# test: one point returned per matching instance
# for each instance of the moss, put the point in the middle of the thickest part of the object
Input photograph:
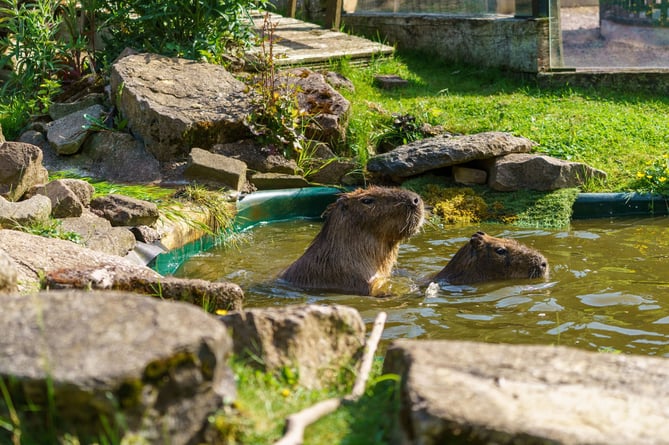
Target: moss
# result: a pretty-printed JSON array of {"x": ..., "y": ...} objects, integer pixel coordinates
[{"x": 466, "y": 205}]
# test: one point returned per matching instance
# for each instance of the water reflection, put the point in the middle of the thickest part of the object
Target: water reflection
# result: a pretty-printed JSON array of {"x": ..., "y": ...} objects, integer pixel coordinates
[{"x": 608, "y": 288}]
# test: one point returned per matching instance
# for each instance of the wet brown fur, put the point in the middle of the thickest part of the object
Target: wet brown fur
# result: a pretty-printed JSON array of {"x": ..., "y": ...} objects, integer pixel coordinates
[
  {"x": 358, "y": 244},
  {"x": 486, "y": 258}
]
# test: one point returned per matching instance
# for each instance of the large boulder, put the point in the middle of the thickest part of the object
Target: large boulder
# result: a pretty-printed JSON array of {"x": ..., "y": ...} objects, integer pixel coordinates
[
  {"x": 36, "y": 210},
  {"x": 67, "y": 134},
  {"x": 121, "y": 210},
  {"x": 69, "y": 197},
  {"x": 175, "y": 104},
  {"x": 36, "y": 255},
  {"x": 444, "y": 151},
  {"x": 327, "y": 110},
  {"x": 538, "y": 172},
  {"x": 317, "y": 340},
  {"x": 211, "y": 168},
  {"x": 110, "y": 362},
  {"x": 8, "y": 273},
  {"x": 20, "y": 169},
  {"x": 98, "y": 234},
  {"x": 464, "y": 392}
]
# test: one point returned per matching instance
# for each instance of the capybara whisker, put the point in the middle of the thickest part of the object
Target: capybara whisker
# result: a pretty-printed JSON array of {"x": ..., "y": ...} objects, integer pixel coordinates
[{"x": 357, "y": 247}]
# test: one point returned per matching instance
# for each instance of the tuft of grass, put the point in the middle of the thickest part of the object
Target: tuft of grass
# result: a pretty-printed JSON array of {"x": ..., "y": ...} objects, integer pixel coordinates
[{"x": 266, "y": 399}]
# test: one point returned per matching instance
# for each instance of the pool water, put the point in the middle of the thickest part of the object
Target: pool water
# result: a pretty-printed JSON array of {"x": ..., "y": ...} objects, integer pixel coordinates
[{"x": 608, "y": 288}]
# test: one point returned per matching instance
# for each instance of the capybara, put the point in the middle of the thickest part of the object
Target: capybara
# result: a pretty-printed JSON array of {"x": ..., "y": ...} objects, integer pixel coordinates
[
  {"x": 357, "y": 247},
  {"x": 486, "y": 258}
]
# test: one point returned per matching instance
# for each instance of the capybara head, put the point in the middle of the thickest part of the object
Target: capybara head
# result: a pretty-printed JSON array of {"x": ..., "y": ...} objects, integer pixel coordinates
[
  {"x": 357, "y": 246},
  {"x": 486, "y": 258}
]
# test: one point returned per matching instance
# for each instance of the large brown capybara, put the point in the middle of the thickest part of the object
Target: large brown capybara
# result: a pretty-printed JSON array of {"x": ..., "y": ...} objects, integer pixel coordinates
[
  {"x": 486, "y": 258},
  {"x": 357, "y": 247}
]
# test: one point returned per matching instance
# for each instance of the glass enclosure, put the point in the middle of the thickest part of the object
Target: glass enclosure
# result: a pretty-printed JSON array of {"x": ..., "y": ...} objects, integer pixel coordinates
[{"x": 609, "y": 34}]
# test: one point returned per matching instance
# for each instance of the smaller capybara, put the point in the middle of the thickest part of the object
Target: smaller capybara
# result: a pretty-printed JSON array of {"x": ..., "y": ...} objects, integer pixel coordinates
[
  {"x": 357, "y": 247},
  {"x": 486, "y": 258}
]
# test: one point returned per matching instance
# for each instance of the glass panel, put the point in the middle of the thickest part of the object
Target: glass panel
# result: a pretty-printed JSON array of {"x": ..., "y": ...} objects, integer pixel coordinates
[{"x": 614, "y": 34}]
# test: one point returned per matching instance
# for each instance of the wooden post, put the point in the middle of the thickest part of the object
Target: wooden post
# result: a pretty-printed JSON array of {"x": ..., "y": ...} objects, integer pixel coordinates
[
  {"x": 333, "y": 14},
  {"x": 292, "y": 8}
]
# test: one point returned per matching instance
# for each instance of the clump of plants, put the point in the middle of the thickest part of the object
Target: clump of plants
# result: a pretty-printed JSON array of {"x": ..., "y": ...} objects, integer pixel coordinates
[{"x": 654, "y": 178}]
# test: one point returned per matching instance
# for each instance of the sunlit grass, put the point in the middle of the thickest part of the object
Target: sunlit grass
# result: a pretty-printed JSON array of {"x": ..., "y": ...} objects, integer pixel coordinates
[{"x": 613, "y": 131}]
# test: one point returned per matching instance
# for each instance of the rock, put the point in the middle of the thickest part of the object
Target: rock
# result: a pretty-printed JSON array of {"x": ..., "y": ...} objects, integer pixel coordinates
[
  {"x": 539, "y": 172},
  {"x": 35, "y": 256},
  {"x": 214, "y": 168},
  {"x": 69, "y": 197},
  {"x": 35, "y": 210},
  {"x": 20, "y": 169},
  {"x": 118, "y": 156},
  {"x": 146, "y": 234},
  {"x": 108, "y": 361},
  {"x": 332, "y": 171},
  {"x": 204, "y": 294},
  {"x": 317, "y": 340},
  {"x": 67, "y": 134},
  {"x": 468, "y": 176},
  {"x": 174, "y": 104},
  {"x": 463, "y": 392},
  {"x": 122, "y": 210},
  {"x": 8, "y": 274},
  {"x": 338, "y": 81},
  {"x": 390, "y": 81},
  {"x": 2, "y": 136},
  {"x": 98, "y": 234},
  {"x": 327, "y": 110},
  {"x": 444, "y": 151},
  {"x": 257, "y": 157},
  {"x": 273, "y": 181},
  {"x": 59, "y": 110}
]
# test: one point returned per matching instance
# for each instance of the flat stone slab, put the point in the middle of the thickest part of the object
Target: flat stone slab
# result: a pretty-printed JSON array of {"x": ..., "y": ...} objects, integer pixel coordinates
[
  {"x": 300, "y": 43},
  {"x": 481, "y": 393}
]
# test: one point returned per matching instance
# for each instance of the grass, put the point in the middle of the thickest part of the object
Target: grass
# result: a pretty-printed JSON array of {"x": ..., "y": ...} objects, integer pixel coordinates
[{"x": 617, "y": 132}]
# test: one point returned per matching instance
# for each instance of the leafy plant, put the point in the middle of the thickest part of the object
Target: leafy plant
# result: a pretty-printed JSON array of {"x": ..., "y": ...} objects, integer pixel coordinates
[
  {"x": 184, "y": 28},
  {"x": 277, "y": 119},
  {"x": 654, "y": 178},
  {"x": 51, "y": 229}
]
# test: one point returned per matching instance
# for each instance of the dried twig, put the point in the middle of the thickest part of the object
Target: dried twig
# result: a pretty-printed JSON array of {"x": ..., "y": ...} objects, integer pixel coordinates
[{"x": 298, "y": 422}]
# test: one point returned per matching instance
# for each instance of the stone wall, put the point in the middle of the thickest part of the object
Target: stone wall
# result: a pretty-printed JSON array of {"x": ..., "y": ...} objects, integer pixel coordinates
[{"x": 517, "y": 44}]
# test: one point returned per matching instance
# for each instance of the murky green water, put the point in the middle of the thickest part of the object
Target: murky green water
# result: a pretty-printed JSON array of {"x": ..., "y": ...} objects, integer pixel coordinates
[{"x": 609, "y": 285}]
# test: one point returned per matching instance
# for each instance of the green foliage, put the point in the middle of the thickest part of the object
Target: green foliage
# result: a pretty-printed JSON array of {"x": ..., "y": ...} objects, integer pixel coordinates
[
  {"x": 654, "y": 178},
  {"x": 184, "y": 28},
  {"x": 51, "y": 229},
  {"x": 612, "y": 130},
  {"x": 266, "y": 399},
  {"x": 221, "y": 212},
  {"x": 276, "y": 120}
]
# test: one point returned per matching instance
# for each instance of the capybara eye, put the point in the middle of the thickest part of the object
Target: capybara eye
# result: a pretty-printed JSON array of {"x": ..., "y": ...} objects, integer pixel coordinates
[
  {"x": 500, "y": 251},
  {"x": 367, "y": 201}
]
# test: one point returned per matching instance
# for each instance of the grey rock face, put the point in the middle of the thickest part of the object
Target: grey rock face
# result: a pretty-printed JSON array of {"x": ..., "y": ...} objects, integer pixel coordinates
[
  {"x": 20, "y": 169},
  {"x": 174, "y": 104},
  {"x": 160, "y": 365},
  {"x": 8, "y": 274},
  {"x": 98, "y": 234},
  {"x": 69, "y": 197},
  {"x": 318, "y": 340},
  {"x": 122, "y": 210},
  {"x": 444, "y": 151},
  {"x": 538, "y": 172},
  {"x": 464, "y": 392},
  {"x": 24, "y": 213},
  {"x": 35, "y": 256},
  {"x": 117, "y": 156},
  {"x": 67, "y": 134},
  {"x": 58, "y": 110},
  {"x": 256, "y": 157},
  {"x": 214, "y": 168}
]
